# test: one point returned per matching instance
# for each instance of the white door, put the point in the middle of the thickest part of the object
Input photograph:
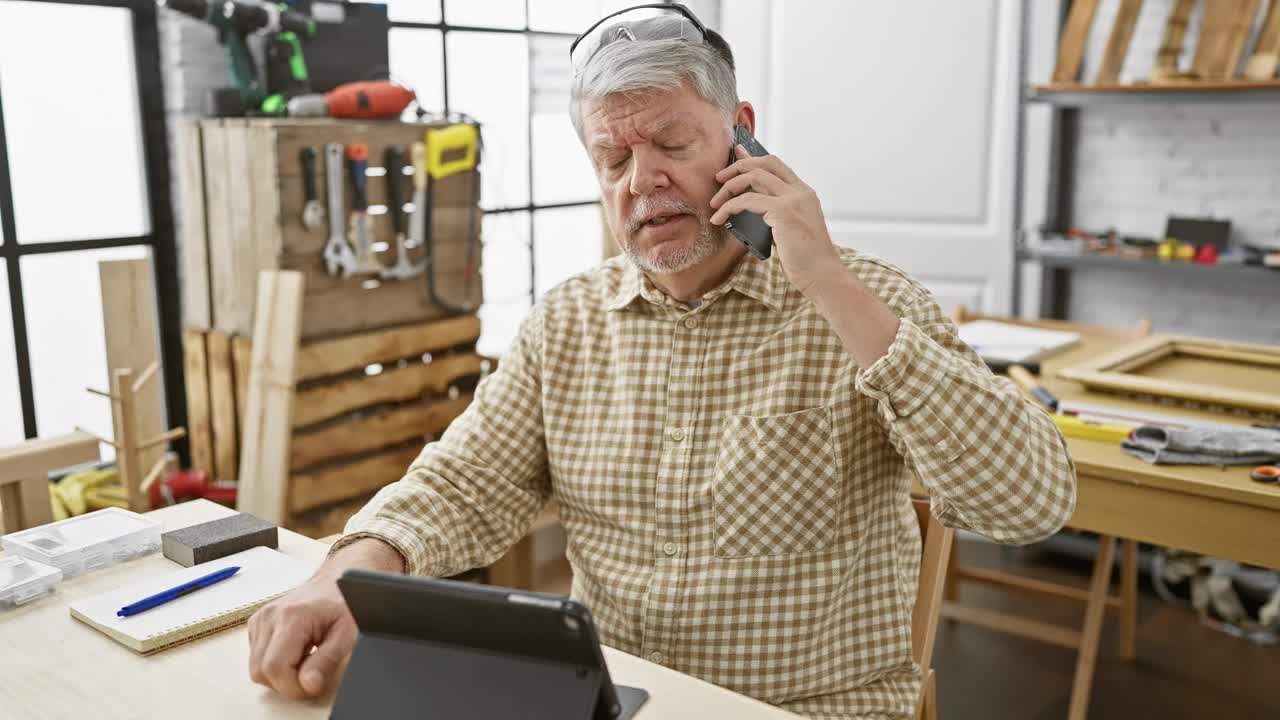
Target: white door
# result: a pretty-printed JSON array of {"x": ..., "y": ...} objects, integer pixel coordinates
[{"x": 901, "y": 116}]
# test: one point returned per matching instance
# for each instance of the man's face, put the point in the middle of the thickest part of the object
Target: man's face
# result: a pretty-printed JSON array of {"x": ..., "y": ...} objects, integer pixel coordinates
[{"x": 656, "y": 157}]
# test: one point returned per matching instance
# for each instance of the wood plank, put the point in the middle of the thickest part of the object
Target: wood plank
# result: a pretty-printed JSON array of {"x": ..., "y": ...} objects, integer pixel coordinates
[
  {"x": 199, "y": 415},
  {"x": 1175, "y": 30},
  {"x": 243, "y": 236},
  {"x": 317, "y": 488},
  {"x": 1266, "y": 52},
  {"x": 222, "y": 404},
  {"x": 349, "y": 310},
  {"x": 264, "y": 463},
  {"x": 241, "y": 359},
  {"x": 315, "y": 404},
  {"x": 1118, "y": 41},
  {"x": 128, "y": 458},
  {"x": 1074, "y": 36},
  {"x": 1221, "y": 24},
  {"x": 397, "y": 425},
  {"x": 1022, "y": 627},
  {"x": 132, "y": 333},
  {"x": 1129, "y": 595},
  {"x": 331, "y": 357},
  {"x": 196, "y": 301},
  {"x": 1238, "y": 29},
  {"x": 219, "y": 212},
  {"x": 329, "y": 521}
]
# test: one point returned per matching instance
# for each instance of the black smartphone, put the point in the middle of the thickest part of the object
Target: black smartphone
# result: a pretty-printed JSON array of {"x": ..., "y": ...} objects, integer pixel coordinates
[{"x": 750, "y": 227}]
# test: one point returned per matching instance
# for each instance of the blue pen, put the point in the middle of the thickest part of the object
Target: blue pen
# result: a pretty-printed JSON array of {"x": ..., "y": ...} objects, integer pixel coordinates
[{"x": 161, "y": 598}]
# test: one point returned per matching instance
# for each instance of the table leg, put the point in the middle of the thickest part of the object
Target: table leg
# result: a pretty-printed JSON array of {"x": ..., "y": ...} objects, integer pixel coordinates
[
  {"x": 1129, "y": 599},
  {"x": 1094, "y": 615}
]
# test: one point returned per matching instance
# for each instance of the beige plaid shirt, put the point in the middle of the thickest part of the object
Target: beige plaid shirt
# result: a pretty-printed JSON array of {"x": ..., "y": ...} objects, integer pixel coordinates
[{"x": 733, "y": 487}]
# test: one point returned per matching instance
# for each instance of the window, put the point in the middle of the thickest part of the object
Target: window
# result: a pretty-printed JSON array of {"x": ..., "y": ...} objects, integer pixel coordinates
[
  {"x": 508, "y": 67},
  {"x": 79, "y": 183}
]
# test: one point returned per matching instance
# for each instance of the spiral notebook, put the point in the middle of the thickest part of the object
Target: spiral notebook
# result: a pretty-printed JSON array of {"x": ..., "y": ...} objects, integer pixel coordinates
[{"x": 264, "y": 575}]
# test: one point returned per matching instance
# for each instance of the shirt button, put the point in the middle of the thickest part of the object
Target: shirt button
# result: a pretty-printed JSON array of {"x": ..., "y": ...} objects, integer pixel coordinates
[
  {"x": 676, "y": 434},
  {"x": 670, "y": 548},
  {"x": 657, "y": 657},
  {"x": 691, "y": 323}
]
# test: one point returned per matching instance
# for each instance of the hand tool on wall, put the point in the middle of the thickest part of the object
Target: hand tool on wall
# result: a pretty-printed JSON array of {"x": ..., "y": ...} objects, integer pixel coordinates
[
  {"x": 358, "y": 164},
  {"x": 360, "y": 100},
  {"x": 235, "y": 21},
  {"x": 312, "y": 213},
  {"x": 462, "y": 143},
  {"x": 338, "y": 258},
  {"x": 394, "y": 164}
]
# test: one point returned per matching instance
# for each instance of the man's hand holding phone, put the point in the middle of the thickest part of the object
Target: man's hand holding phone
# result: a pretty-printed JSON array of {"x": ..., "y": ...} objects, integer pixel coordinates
[{"x": 765, "y": 185}]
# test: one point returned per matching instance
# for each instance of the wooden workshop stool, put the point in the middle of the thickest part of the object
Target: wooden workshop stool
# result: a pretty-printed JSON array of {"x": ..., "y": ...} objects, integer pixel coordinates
[
  {"x": 1097, "y": 599},
  {"x": 24, "y": 476}
]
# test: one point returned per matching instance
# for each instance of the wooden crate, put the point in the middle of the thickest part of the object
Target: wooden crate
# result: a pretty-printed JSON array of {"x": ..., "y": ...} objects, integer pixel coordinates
[
  {"x": 242, "y": 198},
  {"x": 364, "y": 406}
]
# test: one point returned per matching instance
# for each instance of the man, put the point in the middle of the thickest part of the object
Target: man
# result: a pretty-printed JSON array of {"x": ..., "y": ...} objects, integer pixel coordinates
[{"x": 731, "y": 441}]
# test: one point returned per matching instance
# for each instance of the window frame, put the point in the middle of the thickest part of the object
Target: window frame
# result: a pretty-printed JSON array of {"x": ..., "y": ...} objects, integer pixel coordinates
[
  {"x": 160, "y": 240},
  {"x": 531, "y": 207}
]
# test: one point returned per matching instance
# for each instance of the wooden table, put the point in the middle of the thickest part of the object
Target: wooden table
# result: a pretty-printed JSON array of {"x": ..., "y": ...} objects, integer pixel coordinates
[
  {"x": 1202, "y": 509},
  {"x": 1199, "y": 508},
  {"x": 52, "y": 666}
]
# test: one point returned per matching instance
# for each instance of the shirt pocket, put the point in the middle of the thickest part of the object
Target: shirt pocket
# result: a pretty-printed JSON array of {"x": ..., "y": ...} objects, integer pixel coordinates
[{"x": 776, "y": 489}]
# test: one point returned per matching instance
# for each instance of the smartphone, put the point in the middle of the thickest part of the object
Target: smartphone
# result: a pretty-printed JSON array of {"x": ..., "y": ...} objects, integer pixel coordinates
[{"x": 750, "y": 227}]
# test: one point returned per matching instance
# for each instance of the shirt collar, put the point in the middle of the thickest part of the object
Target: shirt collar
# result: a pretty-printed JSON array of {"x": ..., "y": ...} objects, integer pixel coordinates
[{"x": 761, "y": 280}]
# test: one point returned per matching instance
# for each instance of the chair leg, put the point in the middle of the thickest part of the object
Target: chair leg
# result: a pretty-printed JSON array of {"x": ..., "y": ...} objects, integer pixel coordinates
[
  {"x": 1129, "y": 599},
  {"x": 1094, "y": 615},
  {"x": 951, "y": 584}
]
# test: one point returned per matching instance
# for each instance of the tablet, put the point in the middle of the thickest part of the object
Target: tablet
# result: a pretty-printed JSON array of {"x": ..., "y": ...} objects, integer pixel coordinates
[{"x": 447, "y": 649}]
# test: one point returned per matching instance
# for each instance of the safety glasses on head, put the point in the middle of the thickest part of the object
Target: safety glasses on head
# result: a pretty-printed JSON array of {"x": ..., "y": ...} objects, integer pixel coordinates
[{"x": 657, "y": 21}]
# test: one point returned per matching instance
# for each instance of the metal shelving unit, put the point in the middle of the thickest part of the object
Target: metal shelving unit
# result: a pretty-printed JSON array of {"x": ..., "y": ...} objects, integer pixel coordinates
[{"x": 1066, "y": 101}]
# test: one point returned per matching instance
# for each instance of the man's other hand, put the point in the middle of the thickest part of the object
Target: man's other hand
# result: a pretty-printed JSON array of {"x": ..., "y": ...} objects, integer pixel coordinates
[{"x": 299, "y": 644}]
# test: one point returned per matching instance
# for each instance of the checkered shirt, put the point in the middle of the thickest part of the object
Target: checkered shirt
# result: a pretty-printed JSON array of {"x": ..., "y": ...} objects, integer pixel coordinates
[{"x": 734, "y": 488}]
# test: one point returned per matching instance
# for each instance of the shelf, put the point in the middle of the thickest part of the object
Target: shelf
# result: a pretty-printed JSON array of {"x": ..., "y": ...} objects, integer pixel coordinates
[
  {"x": 1222, "y": 91},
  {"x": 1221, "y": 271}
]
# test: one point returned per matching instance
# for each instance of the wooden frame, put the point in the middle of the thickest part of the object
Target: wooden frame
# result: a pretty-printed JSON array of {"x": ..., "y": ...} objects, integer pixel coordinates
[{"x": 1114, "y": 371}]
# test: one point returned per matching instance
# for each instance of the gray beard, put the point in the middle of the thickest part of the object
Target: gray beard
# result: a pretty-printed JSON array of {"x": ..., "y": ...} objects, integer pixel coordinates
[{"x": 710, "y": 241}]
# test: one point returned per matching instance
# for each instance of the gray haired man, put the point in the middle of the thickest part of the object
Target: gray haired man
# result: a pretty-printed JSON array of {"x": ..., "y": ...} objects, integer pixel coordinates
[{"x": 731, "y": 441}]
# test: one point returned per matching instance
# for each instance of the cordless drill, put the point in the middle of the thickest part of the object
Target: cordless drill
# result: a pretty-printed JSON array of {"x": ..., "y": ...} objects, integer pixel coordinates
[{"x": 235, "y": 20}]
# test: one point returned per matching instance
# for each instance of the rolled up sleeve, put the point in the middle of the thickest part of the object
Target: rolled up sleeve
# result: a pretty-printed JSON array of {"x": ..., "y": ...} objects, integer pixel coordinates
[{"x": 992, "y": 461}]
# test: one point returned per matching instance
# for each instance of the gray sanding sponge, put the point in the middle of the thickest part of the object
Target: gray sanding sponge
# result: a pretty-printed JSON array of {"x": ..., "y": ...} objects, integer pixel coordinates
[{"x": 211, "y": 540}]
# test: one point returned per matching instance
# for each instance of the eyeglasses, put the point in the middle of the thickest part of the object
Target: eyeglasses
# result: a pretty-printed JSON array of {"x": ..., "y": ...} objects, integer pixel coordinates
[{"x": 658, "y": 21}]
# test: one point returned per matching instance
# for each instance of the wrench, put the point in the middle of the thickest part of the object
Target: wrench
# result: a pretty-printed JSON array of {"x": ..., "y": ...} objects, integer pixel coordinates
[
  {"x": 312, "y": 213},
  {"x": 338, "y": 258},
  {"x": 358, "y": 159},
  {"x": 394, "y": 159}
]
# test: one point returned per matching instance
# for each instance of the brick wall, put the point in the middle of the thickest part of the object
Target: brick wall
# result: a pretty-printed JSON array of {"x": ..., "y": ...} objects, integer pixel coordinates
[{"x": 1137, "y": 164}]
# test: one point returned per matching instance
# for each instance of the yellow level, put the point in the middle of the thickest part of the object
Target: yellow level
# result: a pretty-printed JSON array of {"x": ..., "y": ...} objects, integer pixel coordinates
[{"x": 1089, "y": 430}]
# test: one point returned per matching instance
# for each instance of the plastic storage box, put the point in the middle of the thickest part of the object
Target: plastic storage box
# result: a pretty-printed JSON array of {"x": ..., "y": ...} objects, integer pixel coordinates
[
  {"x": 23, "y": 580},
  {"x": 87, "y": 542}
]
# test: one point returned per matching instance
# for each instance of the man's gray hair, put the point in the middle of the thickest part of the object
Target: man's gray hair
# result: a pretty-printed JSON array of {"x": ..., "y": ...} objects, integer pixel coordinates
[{"x": 658, "y": 65}]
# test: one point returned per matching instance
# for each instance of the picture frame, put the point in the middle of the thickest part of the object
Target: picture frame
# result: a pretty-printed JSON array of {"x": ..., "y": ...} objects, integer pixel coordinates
[{"x": 1244, "y": 376}]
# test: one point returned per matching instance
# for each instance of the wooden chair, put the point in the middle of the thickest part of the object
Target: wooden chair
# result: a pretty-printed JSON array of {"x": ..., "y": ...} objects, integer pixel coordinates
[
  {"x": 937, "y": 542},
  {"x": 1097, "y": 599}
]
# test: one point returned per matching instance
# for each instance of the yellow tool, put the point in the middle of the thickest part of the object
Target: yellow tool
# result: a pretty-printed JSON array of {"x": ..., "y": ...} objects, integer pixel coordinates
[
  {"x": 463, "y": 141},
  {"x": 1089, "y": 430}
]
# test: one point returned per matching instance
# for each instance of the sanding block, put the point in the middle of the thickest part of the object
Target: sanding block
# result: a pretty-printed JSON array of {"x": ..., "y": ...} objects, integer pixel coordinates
[{"x": 211, "y": 540}]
